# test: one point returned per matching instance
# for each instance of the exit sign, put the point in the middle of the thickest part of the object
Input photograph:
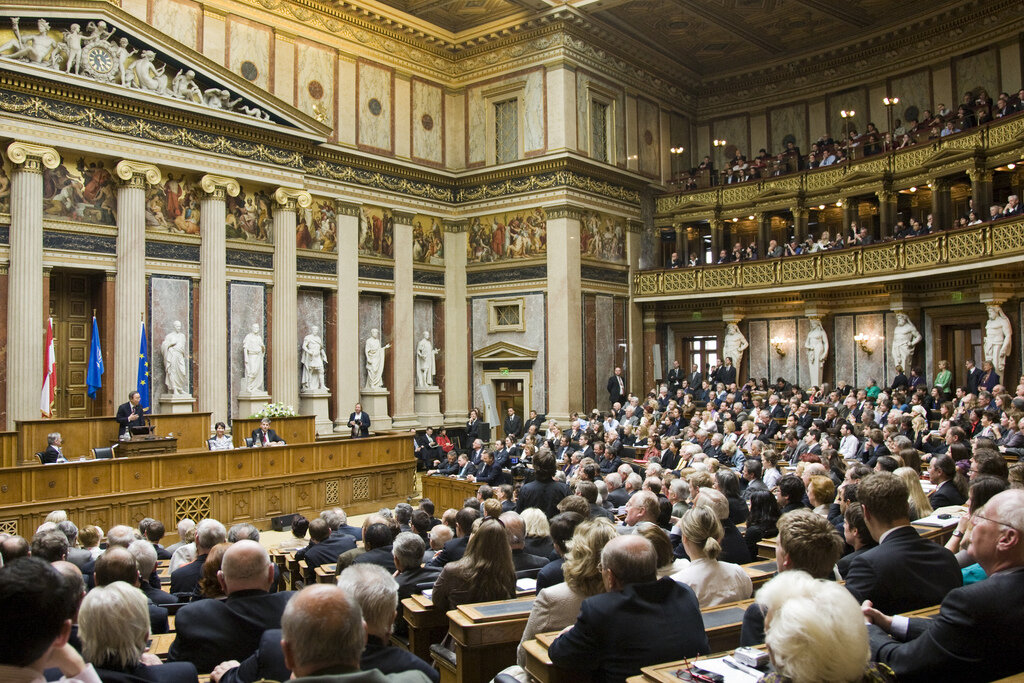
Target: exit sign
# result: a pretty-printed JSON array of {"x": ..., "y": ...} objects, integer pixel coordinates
[
  {"x": 503, "y": 371},
  {"x": 697, "y": 315},
  {"x": 958, "y": 296}
]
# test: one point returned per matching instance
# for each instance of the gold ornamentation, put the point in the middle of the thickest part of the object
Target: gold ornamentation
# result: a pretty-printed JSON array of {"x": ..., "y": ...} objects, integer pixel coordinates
[
  {"x": 720, "y": 278},
  {"x": 634, "y": 226},
  {"x": 1006, "y": 133},
  {"x": 965, "y": 246},
  {"x": 360, "y": 488},
  {"x": 821, "y": 180},
  {"x": 646, "y": 283},
  {"x": 917, "y": 253},
  {"x": 217, "y": 184},
  {"x": 456, "y": 227},
  {"x": 9, "y": 526},
  {"x": 1007, "y": 237},
  {"x": 880, "y": 259},
  {"x": 402, "y": 217},
  {"x": 343, "y": 208},
  {"x": 571, "y": 212},
  {"x": 758, "y": 273},
  {"x": 33, "y": 157},
  {"x": 290, "y": 198},
  {"x": 331, "y": 496},
  {"x": 137, "y": 174},
  {"x": 192, "y": 507},
  {"x": 680, "y": 280},
  {"x": 797, "y": 269},
  {"x": 839, "y": 265}
]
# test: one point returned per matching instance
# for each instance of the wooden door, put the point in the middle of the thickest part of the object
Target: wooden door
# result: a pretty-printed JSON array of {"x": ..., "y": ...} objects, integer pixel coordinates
[
  {"x": 957, "y": 343},
  {"x": 71, "y": 305},
  {"x": 508, "y": 393}
]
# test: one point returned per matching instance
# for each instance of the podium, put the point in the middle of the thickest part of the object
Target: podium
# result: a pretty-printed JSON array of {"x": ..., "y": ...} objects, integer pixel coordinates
[{"x": 146, "y": 445}]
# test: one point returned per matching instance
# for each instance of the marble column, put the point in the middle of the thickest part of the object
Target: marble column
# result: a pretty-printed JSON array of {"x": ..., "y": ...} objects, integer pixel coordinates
[
  {"x": 214, "y": 388},
  {"x": 284, "y": 377},
  {"x": 681, "y": 242},
  {"x": 130, "y": 282},
  {"x": 764, "y": 223},
  {"x": 981, "y": 190},
  {"x": 456, "y": 322},
  {"x": 717, "y": 230},
  {"x": 565, "y": 305},
  {"x": 637, "y": 350},
  {"x": 403, "y": 342},
  {"x": 649, "y": 323},
  {"x": 349, "y": 355},
  {"x": 800, "y": 217},
  {"x": 25, "y": 280},
  {"x": 886, "y": 212},
  {"x": 851, "y": 214},
  {"x": 942, "y": 208}
]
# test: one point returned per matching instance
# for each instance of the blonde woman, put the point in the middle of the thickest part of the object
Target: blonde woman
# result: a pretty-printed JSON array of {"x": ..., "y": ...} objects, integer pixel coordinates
[
  {"x": 707, "y": 423},
  {"x": 713, "y": 582},
  {"x": 557, "y": 606},
  {"x": 821, "y": 491},
  {"x": 538, "y": 532},
  {"x": 919, "y": 503},
  {"x": 729, "y": 432}
]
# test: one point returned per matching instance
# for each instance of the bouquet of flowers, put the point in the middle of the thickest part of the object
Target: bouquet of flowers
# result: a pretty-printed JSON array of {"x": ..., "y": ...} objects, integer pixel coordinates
[{"x": 275, "y": 410}]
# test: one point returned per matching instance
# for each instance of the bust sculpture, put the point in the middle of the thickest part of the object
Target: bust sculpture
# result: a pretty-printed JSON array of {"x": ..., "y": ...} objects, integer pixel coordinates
[
  {"x": 253, "y": 352},
  {"x": 314, "y": 360},
  {"x": 175, "y": 353}
]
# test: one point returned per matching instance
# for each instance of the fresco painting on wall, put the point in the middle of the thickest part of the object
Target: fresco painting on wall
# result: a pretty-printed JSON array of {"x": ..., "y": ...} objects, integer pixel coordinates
[
  {"x": 82, "y": 191},
  {"x": 603, "y": 237},
  {"x": 427, "y": 240},
  {"x": 315, "y": 227},
  {"x": 376, "y": 232},
  {"x": 248, "y": 216},
  {"x": 505, "y": 236},
  {"x": 5, "y": 187},
  {"x": 173, "y": 205}
]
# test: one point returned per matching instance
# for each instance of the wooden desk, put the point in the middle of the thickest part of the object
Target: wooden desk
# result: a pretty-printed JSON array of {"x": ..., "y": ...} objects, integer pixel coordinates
[
  {"x": 243, "y": 485},
  {"x": 760, "y": 573},
  {"x": 427, "y": 625},
  {"x": 539, "y": 665},
  {"x": 136, "y": 447},
  {"x": 448, "y": 493},
  {"x": 485, "y": 637},
  {"x": 160, "y": 644},
  {"x": 298, "y": 429}
]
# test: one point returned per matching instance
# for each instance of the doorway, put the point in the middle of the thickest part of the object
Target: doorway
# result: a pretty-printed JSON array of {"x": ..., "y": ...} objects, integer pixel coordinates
[
  {"x": 699, "y": 351},
  {"x": 956, "y": 344},
  {"x": 508, "y": 393},
  {"x": 73, "y": 297}
]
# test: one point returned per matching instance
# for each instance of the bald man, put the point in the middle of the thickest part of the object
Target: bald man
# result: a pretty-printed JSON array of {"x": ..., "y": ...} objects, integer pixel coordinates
[
  {"x": 211, "y": 631},
  {"x": 515, "y": 528}
]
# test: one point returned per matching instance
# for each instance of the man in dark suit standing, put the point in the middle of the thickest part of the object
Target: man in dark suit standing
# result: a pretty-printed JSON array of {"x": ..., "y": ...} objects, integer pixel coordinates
[
  {"x": 973, "y": 377},
  {"x": 210, "y": 631},
  {"x": 904, "y": 572},
  {"x": 616, "y": 388},
  {"x": 695, "y": 377},
  {"x": 359, "y": 422},
  {"x": 130, "y": 414},
  {"x": 664, "y": 611},
  {"x": 727, "y": 373},
  {"x": 967, "y": 639},
  {"x": 674, "y": 378},
  {"x": 324, "y": 547},
  {"x": 265, "y": 436},
  {"x": 513, "y": 424}
]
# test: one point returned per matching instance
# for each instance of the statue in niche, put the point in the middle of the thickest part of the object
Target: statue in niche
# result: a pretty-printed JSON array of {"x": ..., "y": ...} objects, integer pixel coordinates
[
  {"x": 375, "y": 360},
  {"x": 734, "y": 344},
  {"x": 998, "y": 335},
  {"x": 253, "y": 352},
  {"x": 904, "y": 338},
  {"x": 32, "y": 48},
  {"x": 817, "y": 350},
  {"x": 426, "y": 365},
  {"x": 175, "y": 352},
  {"x": 314, "y": 361}
]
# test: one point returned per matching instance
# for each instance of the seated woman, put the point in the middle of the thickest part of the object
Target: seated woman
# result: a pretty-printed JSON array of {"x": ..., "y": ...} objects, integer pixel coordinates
[
  {"x": 113, "y": 624},
  {"x": 668, "y": 564},
  {"x": 557, "y": 606},
  {"x": 484, "y": 573},
  {"x": 209, "y": 585},
  {"x": 920, "y": 506},
  {"x": 815, "y": 632},
  {"x": 821, "y": 492},
  {"x": 714, "y": 582},
  {"x": 763, "y": 521},
  {"x": 220, "y": 441}
]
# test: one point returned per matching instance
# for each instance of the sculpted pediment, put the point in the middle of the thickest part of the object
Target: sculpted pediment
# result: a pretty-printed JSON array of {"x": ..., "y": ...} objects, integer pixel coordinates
[
  {"x": 505, "y": 351},
  {"x": 101, "y": 47}
]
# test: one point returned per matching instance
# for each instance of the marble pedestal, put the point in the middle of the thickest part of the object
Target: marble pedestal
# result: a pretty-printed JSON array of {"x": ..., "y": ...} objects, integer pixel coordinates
[
  {"x": 316, "y": 403},
  {"x": 427, "y": 403},
  {"x": 375, "y": 404},
  {"x": 176, "y": 403},
  {"x": 251, "y": 403}
]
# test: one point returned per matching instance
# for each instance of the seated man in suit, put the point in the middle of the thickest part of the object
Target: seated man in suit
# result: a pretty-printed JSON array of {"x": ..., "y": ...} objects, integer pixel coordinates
[
  {"x": 454, "y": 549},
  {"x": 131, "y": 414},
  {"x": 427, "y": 450},
  {"x": 447, "y": 468},
  {"x": 942, "y": 472},
  {"x": 117, "y": 564},
  {"x": 904, "y": 572},
  {"x": 145, "y": 557},
  {"x": 265, "y": 436},
  {"x": 489, "y": 472},
  {"x": 377, "y": 541},
  {"x": 209, "y": 533},
  {"x": 967, "y": 639},
  {"x": 663, "y": 612},
  {"x": 617, "y": 495},
  {"x": 407, "y": 551},
  {"x": 324, "y": 547},
  {"x": 54, "y": 452},
  {"x": 515, "y": 528},
  {"x": 466, "y": 468},
  {"x": 211, "y": 631}
]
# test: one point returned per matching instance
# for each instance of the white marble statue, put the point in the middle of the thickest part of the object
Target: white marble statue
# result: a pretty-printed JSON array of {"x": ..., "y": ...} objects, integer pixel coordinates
[
  {"x": 997, "y": 339},
  {"x": 904, "y": 338},
  {"x": 175, "y": 352},
  {"x": 426, "y": 365},
  {"x": 32, "y": 48},
  {"x": 314, "y": 361},
  {"x": 817, "y": 351},
  {"x": 375, "y": 360},
  {"x": 734, "y": 344},
  {"x": 148, "y": 76},
  {"x": 253, "y": 352},
  {"x": 73, "y": 46}
]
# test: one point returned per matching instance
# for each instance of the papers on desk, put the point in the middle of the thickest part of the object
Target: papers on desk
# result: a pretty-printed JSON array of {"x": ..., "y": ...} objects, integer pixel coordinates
[
  {"x": 928, "y": 486},
  {"x": 427, "y": 593},
  {"x": 526, "y": 585},
  {"x": 942, "y": 520},
  {"x": 731, "y": 675}
]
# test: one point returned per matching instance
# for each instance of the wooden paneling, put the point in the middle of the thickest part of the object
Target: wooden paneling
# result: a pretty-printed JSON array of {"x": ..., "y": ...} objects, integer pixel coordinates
[
  {"x": 448, "y": 493},
  {"x": 9, "y": 449},
  {"x": 243, "y": 484},
  {"x": 299, "y": 429}
]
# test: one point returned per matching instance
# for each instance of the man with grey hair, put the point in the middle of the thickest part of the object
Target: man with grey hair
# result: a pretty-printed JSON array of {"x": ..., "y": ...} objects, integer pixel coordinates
[
  {"x": 515, "y": 529},
  {"x": 643, "y": 506},
  {"x": 80, "y": 557},
  {"x": 667, "y": 615},
  {"x": 209, "y": 533},
  {"x": 210, "y": 631},
  {"x": 438, "y": 536},
  {"x": 337, "y": 520},
  {"x": 145, "y": 557},
  {"x": 617, "y": 496},
  {"x": 50, "y": 545},
  {"x": 121, "y": 536},
  {"x": 408, "y": 551},
  {"x": 323, "y": 638},
  {"x": 243, "y": 532}
]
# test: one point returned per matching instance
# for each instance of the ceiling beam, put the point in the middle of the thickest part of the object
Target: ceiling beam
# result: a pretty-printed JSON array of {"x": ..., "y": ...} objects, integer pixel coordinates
[
  {"x": 838, "y": 10},
  {"x": 729, "y": 21}
]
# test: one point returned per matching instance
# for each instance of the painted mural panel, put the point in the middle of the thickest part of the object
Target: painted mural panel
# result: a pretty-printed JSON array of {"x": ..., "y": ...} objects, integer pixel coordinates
[
  {"x": 249, "y": 216},
  {"x": 173, "y": 205},
  {"x": 975, "y": 72},
  {"x": 315, "y": 227},
  {"x": 376, "y": 232},
  {"x": 5, "y": 186},
  {"x": 427, "y": 240},
  {"x": 506, "y": 236},
  {"x": 603, "y": 237},
  {"x": 82, "y": 191}
]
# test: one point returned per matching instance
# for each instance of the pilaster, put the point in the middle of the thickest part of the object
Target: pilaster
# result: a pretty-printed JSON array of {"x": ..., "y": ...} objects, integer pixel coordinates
[
  {"x": 565, "y": 340},
  {"x": 636, "y": 350},
  {"x": 346, "y": 369},
  {"x": 284, "y": 377},
  {"x": 403, "y": 342},
  {"x": 456, "y": 322}
]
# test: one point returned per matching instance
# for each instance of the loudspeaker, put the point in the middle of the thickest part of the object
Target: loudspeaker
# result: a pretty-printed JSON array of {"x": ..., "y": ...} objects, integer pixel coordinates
[{"x": 283, "y": 523}]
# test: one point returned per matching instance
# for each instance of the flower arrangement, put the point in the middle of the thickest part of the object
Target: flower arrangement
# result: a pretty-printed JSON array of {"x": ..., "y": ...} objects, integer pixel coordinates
[{"x": 275, "y": 410}]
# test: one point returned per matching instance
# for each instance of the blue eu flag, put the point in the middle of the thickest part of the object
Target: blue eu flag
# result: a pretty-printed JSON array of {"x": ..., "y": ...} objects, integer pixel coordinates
[
  {"x": 94, "y": 378},
  {"x": 143, "y": 375}
]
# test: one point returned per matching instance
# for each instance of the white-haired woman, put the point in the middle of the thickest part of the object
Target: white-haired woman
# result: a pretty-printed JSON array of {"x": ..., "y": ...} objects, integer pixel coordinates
[
  {"x": 815, "y": 632},
  {"x": 538, "y": 533},
  {"x": 113, "y": 624}
]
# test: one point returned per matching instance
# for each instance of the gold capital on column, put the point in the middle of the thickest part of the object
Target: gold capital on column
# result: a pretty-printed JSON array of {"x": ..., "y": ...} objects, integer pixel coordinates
[
  {"x": 637, "y": 227},
  {"x": 979, "y": 175},
  {"x": 456, "y": 227},
  {"x": 33, "y": 157},
  {"x": 219, "y": 186},
  {"x": 137, "y": 174},
  {"x": 291, "y": 199},
  {"x": 343, "y": 208}
]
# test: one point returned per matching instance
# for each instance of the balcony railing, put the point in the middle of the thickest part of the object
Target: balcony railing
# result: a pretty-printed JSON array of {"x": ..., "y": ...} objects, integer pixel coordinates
[{"x": 974, "y": 245}]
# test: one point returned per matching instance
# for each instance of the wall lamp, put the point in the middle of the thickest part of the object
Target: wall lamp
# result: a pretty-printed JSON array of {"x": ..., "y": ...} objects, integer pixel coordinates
[
  {"x": 864, "y": 341},
  {"x": 778, "y": 343}
]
